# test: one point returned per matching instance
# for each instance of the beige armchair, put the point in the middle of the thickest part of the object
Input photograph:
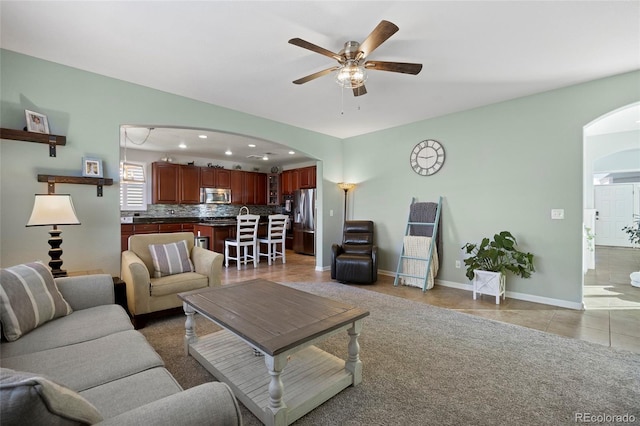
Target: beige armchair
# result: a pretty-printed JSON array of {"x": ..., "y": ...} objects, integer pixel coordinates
[{"x": 147, "y": 294}]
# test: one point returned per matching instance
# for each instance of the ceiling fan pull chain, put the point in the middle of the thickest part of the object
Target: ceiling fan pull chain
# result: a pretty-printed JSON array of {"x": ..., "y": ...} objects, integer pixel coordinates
[{"x": 342, "y": 100}]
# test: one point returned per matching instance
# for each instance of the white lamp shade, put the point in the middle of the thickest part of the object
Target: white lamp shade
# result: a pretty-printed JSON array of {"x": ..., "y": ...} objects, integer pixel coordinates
[{"x": 53, "y": 209}]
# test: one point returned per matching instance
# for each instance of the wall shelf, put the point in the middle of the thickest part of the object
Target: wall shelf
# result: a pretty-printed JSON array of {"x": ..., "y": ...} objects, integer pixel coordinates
[
  {"x": 22, "y": 135},
  {"x": 51, "y": 180}
]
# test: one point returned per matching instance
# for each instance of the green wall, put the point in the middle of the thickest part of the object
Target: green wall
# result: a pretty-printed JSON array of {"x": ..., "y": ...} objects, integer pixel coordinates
[
  {"x": 89, "y": 109},
  {"x": 507, "y": 166}
]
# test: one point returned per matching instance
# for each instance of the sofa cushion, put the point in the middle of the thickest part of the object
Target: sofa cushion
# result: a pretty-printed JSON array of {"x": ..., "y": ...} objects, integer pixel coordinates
[
  {"x": 91, "y": 363},
  {"x": 82, "y": 325},
  {"x": 170, "y": 259},
  {"x": 28, "y": 298},
  {"x": 29, "y": 396},
  {"x": 119, "y": 396},
  {"x": 175, "y": 284}
]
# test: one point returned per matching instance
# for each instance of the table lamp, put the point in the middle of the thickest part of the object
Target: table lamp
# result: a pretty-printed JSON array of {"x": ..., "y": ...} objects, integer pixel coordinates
[{"x": 54, "y": 210}]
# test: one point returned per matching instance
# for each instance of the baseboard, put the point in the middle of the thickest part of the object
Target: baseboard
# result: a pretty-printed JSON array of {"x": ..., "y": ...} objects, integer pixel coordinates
[{"x": 511, "y": 294}]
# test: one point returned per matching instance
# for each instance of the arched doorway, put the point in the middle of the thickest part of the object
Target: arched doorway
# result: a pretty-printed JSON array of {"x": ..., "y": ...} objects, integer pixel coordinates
[{"x": 611, "y": 198}]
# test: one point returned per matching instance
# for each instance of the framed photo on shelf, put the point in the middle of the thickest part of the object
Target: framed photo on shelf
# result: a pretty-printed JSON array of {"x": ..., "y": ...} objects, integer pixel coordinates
[
  {"x": 36, "y": 122},
  {"x": 91, "y": 167}
]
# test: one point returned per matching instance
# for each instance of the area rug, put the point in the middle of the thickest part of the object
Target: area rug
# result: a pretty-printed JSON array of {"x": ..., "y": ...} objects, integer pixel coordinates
[{"x": 425, "y": 365}]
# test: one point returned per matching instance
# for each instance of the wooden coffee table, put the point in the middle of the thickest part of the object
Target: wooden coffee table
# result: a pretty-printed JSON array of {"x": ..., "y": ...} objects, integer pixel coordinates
[{"x": 268, "y": 323}]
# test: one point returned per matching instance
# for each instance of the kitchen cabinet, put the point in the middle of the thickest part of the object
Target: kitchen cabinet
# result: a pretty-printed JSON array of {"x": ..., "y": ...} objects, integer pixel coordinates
[
  {"x": 213, "y": 177},
  {"x": 216, "y": 235},
  {"x": 175, "y": 183},
  {"x": 248, "y": 188},
  {"x": 236, "y": 186},
  {"x": 126, "y": 230},
  {"x": 164, "y": 183},
  {"x": 189, "y": 184},
  {"x": 273, "y": 189},
  {"x": 307, "y": 177},
  {"x": 260, "y": 189}
]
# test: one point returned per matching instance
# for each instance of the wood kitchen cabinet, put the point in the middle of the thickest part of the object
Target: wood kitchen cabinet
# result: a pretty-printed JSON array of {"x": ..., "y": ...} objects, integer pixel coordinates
[
  {"x": 213, "y": 177},
  {"x": 189, "y": 184},
  {"x": 127, "y": 230},
  {"x": 165, "y": 183},
  {"x": 216, "y": 235},
  {"x": 175, "y": 183},
  {"x": 248, "y": 188},
  {"x": 307, "y": 177},
  {"x": 260, "y": 191},
  {"x": 236, "y": 186}
]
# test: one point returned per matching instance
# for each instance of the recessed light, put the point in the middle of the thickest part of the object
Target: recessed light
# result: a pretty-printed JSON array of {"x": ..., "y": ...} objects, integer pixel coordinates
[
  {"x": 228, "y": 152},
  {"x": 252, "y": 145},
  {"x": 265, "y": 158},
  {"x": 202, "y": 136},
  {"x": 182, "y": 145},
  {"x": 292, "y": 152}
]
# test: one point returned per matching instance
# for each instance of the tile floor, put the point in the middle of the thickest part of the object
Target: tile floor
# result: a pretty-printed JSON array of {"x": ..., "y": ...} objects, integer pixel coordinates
[{"x": 611, "y": 317}]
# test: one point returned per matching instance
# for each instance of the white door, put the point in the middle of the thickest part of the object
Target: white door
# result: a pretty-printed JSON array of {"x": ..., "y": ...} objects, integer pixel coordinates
[{"x": 614, "y": 205}]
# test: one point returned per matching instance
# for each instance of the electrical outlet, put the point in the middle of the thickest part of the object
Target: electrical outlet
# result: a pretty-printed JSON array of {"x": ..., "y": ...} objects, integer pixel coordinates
[{"x": 458, "y": 264}]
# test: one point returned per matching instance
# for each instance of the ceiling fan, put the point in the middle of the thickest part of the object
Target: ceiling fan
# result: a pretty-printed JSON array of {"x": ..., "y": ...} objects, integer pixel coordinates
[{"x": 353, "y": 66}]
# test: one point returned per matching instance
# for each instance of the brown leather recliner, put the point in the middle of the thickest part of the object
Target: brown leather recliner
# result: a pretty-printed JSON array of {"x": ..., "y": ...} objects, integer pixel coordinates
[{"x": 356, "y": 260}]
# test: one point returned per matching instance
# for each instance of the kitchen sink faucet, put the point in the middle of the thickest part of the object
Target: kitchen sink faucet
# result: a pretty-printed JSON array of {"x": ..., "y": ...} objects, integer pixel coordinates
[{"x": 243, "y": 208}]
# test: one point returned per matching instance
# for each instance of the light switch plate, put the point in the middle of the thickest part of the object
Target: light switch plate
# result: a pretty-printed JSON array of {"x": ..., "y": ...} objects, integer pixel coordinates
[{"x": 557, "y": 213}]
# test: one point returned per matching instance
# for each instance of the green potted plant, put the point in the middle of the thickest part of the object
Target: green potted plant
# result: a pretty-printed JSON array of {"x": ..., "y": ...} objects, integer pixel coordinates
[
  {"x": 634, "y": 230},
  {"x": 491, "y": 260}
]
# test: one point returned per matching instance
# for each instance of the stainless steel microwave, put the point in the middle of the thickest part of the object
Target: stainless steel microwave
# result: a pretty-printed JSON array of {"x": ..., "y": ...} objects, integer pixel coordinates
[{"x": 215, "y": 196}]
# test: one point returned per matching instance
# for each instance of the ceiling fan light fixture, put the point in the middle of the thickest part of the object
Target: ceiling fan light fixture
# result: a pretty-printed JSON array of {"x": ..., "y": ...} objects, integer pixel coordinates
[{"x": 351, "y": 75}]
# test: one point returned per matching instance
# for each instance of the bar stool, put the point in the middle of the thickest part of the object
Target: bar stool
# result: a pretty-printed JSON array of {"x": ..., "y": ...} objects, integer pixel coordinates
[
  {"x": 276, "y": 234},
  {"x": 246, "y": 237}
]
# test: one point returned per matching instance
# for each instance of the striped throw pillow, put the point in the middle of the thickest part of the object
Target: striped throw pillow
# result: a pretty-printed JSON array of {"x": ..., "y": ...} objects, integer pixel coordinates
[
  {"x": 29, "y": 298},
  {"x": 170, "y": 259}
]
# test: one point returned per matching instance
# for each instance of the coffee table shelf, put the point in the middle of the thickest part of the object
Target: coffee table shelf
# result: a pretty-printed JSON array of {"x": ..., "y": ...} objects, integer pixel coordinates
[
  {"x": 312, "y": 375},
  {"x": 289, "y": 376}
]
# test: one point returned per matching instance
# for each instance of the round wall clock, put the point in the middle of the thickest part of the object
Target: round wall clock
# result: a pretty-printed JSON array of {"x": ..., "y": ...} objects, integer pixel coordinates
[{"x": 427, "y": 157}]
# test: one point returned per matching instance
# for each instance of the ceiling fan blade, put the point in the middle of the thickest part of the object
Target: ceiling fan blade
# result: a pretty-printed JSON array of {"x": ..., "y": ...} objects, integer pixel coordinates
[
  {"x": 359, "y": 91},
  {"x": 312, "y": 47},
  {"x": 379, "y": 35},
  {"x": 403, "y": 67},
  {"x": 315, "y": 75}
]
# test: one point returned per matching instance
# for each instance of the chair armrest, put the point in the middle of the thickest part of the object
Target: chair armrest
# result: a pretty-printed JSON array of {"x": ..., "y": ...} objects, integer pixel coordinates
[
  {"x": 86, "y": 291},
  {"x": 336, "y": 250},
  {"x": 208, "y": 263},
  {"x": 211, "y": 403},
  {"x": 138, "y": 280},
  {"x": 374, "y": 257}
]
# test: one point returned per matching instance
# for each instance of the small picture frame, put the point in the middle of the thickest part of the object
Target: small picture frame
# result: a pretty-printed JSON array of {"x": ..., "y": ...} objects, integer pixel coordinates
[
  {"x": 91, "y": 167},
  {"x": 36, "y": 122}
]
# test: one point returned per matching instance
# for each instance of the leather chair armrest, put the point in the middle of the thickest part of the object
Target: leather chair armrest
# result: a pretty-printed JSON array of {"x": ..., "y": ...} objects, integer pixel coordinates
[
  {"x": 336, "y": 250},
  {"x": 374, "y": 257},
  {"x": 208, "y": 263},
  {"x": 138, "y": 280}
]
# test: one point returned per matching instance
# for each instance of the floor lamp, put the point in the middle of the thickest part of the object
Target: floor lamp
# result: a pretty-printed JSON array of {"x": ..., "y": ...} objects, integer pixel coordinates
[
  {"x": 346, "y": 187},
  {"x": 54, "y": 210}
]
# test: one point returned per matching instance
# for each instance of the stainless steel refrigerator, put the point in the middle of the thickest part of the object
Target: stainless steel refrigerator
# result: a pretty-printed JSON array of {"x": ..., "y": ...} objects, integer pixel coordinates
[{"x": 304, "y": 221}]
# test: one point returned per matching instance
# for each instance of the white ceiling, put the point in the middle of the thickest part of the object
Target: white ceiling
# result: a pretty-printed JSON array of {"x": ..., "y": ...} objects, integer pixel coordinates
[{"x": 235, "y": 53}]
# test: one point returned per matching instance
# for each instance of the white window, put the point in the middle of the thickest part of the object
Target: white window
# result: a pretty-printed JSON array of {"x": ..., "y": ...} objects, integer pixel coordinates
[{"x": 133, "y": 192}]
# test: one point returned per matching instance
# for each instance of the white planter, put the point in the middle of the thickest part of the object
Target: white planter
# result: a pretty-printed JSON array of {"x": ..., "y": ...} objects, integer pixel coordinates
[{"x": 490, "y": 283}]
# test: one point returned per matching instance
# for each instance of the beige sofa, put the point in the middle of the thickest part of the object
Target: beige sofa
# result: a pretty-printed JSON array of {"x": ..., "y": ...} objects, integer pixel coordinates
[
  {"x": 147, "y": 294},
  {"x": 111, "y": 373}
]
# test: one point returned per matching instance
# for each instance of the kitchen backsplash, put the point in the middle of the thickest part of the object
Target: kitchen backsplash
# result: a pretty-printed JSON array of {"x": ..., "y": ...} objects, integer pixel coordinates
[{"x": 199, "y": 210}]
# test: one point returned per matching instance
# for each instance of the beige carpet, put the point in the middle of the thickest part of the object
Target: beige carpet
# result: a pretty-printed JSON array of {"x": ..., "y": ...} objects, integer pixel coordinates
[{"x": 425, "y": 365}]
